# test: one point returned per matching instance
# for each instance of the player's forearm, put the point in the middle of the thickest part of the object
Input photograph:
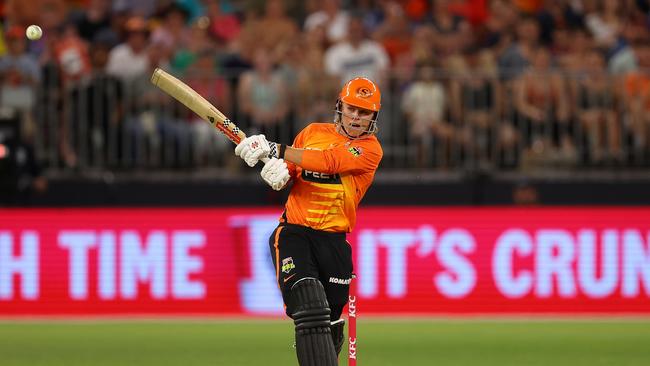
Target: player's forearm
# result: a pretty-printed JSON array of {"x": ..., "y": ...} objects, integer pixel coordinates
[
  {"x": 314, "y": 160},
  {"x": 293, "y": 155}
]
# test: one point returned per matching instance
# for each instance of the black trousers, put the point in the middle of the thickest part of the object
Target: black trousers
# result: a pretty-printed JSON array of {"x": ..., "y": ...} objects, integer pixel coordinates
[{"x": 299, "y": 252}]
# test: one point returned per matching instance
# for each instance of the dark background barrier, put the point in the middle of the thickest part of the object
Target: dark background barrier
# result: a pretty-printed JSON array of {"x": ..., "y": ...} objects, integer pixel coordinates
[{"x": 249, "y": 192}]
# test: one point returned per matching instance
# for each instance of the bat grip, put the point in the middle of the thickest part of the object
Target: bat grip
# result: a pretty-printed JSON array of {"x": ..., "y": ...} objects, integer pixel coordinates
[{"x": 265, "y": 160}]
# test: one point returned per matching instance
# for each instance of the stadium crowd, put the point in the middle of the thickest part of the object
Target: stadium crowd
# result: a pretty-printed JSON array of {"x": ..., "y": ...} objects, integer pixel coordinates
[{"x": 500, "y": 84}]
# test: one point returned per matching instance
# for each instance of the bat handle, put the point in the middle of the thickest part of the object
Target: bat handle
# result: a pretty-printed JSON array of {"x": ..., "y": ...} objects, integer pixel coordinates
[{"x": 265, "y": 160}]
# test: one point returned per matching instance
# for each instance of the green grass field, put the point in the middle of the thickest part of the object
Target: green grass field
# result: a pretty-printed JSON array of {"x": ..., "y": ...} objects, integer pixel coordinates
[{"x": 381, "y": 342}]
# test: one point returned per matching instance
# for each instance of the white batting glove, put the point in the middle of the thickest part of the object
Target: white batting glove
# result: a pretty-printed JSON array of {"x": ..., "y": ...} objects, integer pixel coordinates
[
  {"x": 252, "y": 149},
  {"x": 275, "y": 173}
]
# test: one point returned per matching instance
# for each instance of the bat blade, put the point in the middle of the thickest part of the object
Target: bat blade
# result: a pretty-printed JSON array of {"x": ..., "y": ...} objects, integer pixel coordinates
[{"x": 195, "y": 102}]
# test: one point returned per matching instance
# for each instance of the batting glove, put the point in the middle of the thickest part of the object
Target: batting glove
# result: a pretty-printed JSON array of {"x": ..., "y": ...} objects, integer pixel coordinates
[
  {"x": 256, "y": 147},
  {"x": 275, "y": 173}
]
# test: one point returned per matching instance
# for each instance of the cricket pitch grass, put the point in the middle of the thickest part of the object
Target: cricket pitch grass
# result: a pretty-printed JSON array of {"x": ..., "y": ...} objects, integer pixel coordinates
[{"x": 381, "y": 341}]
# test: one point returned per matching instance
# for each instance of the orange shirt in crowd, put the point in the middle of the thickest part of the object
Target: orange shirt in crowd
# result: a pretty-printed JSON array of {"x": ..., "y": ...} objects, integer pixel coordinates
[
  {"x": 335, "y": 175},
  {"x": 529, "y": 6},
  {"x": 637, "y": 85}
]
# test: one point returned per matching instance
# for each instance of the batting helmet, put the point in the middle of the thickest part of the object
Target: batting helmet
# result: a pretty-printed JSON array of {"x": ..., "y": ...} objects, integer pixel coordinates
[{"x": 362, "y": 93}]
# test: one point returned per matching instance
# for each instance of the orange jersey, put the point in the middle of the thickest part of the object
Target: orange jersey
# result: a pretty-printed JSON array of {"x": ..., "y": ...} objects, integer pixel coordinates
[{"x": 334, "y": 175}]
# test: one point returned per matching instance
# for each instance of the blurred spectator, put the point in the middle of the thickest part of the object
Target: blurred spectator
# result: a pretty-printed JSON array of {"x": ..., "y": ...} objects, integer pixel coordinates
[
  {"x": 333, "y": 17},
  {"x": 516, "y": 58},
  {"x": 42, "y": 12},
  {"x": 129, "y": 60},
  {"x": 156, "y": 132},
  {"x": 574, "y": 58},
  {"x": 496, "y": 31},
  {"x": 636, "y": 98},
  {"x": 357, "y": 56},
  {"x": 204, "y": 79},
  {"x": 542, "y": 106},
  {"x": 19, "y": 77},
  {"x": 476, "y": 100},
  {"x": 314, "y": 103},
  {"x": 416, "y": 10},
  {"x": 451, "y": 32},
  {"x": 605, "y": 23},
  {"x": 172, "y": 33},
  {"x": 373, "y": 12},
  {"x": 71, "y": 54},
  {"x": 224, "y": 28},
  {"x": 474, "y": 11},
  {"x": 93, "y": 20},
  {"x": 596, "y": 109},
  {"x": 421, "y": 52},
  {"x": 528, "y": 6},
  {"x": 394, "y": 33},
  {"x": 424, "y": 104},
  {"x": 186, "y": 54},
  {"x": 142, "y": 8},
  {"x": 272, "y": 31},
  {"x": 93, "y": 112},
  {"x": 262, "y": 97}
]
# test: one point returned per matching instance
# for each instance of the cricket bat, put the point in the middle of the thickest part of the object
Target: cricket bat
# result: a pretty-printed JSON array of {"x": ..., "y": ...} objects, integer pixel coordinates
[{"x": 199, "y": 105}]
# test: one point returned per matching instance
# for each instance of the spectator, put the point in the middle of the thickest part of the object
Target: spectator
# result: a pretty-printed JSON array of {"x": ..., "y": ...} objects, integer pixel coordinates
[
  {"x": 129, "y": 59},
  {"x": 636, "y": 105},
  {"x": 516, "y": 58},
  {"x": 172, "y": 34},
  {"x": 272, "y": 32},
  {"x": 19, "y": 77},
  {"x": 394, "y": 33},
  {"x": 224, "y": 28},
  {"x": 93, "y": 115},
  {"x": 358, "y": 56},
  {"x": 424, "y": 104},
  {"x": 497, "y": 28},
  {"x": 93, "y": 20},
  {"x": 541, "y": 104},
  {"x": 156, "y": 132},
  {"x": 594, "y": 96},
  {"x": 314, "y": 103},
  {"x": 204, "y": 79},
  {"x": 451, "y": 32},
  {"x": 22, "y": 13},
  {"x": 262, "y": 98},
  {"x": 605, "y": 24},
  {"x": 186, "y": 54},
  {"x": 140, "y": 8},
  {"x": 573, "y": 60},
  {"x": 421, "y": 52},
  {"x": 476, "y": 102},
  {"x": 333, "y": 17},
  {"x": 71, "y": 54},
  {"x": 528, "y": 6}
]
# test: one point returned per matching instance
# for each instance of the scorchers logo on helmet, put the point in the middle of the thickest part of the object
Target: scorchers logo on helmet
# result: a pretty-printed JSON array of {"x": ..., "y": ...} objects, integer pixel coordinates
[{"x": 364, "y": 92}]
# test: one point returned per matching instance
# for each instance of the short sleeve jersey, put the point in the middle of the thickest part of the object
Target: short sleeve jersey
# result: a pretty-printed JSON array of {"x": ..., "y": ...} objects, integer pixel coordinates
[{"x": 333, "y": 177}]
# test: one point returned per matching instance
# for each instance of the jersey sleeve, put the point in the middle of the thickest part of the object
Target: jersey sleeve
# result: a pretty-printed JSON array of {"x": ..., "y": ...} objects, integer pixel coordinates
[
  {"x": 355, "y": 158},
  {"x": 297, "y": 143}
]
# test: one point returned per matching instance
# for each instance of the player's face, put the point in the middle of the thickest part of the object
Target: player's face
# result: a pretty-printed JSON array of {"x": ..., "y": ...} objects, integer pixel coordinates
[{"x": 355, "y": 120}]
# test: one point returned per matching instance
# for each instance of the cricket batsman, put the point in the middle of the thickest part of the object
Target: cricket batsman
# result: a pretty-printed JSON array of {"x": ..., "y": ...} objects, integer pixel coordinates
[{"x": 331, "y": 165}]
